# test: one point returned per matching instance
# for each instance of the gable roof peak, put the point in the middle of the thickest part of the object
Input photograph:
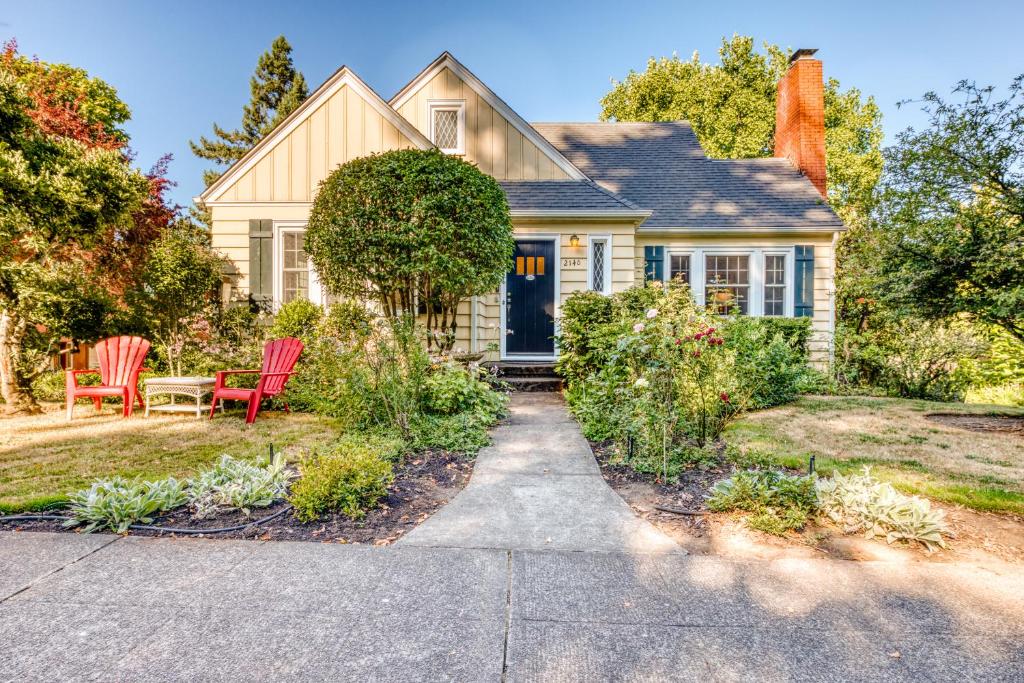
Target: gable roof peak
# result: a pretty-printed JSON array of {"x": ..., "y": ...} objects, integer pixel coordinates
[{"x": 448, "y": 61}]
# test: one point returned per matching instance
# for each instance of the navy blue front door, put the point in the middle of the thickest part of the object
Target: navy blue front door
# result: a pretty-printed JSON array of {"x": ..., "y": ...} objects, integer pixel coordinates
[{"x": 530, "y": 300}]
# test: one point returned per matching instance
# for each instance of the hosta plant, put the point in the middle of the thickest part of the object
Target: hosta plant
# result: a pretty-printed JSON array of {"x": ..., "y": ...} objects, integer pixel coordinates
[
  {"x": 859, "y": 502},
  {"x": 117, "y": 503},
  {"x": 239, "y": 485}
]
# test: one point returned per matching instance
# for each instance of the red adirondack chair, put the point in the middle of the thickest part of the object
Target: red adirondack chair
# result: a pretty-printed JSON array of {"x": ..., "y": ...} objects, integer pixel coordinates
[
  {"x": 279, "y": 356},
  {"x": 120, "y": 364}
]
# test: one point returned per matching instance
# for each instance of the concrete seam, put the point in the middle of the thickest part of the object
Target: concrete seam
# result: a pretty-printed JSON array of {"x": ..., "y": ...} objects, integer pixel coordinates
[
  {"x": 508, "y": 616},
  {"x": 59, "y": 569}
]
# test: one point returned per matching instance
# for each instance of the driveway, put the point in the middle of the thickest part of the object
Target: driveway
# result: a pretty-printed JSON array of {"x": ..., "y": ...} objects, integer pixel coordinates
[{"x": 532, "y": 573}]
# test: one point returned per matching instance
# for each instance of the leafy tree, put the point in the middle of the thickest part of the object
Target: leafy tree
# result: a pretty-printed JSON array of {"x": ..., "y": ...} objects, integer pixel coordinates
[
  {"x": 948, "y": 231},
  {"x": 177, "y": 280},
  {"x": 71, "y": 207},
  {"x": 411, "y": 226},
  {"x": 277, "y": 90},
  {"x": 731, "y": 107}
]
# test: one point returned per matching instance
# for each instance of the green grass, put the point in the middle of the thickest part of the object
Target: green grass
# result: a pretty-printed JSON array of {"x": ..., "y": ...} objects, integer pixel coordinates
[
  {"x": 979, "y": 470},
  {"x": 43, "y": 458}
]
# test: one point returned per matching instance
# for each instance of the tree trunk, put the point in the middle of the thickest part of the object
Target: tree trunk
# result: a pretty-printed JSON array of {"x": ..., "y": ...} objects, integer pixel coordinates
[{"x": 14, "y": 386}]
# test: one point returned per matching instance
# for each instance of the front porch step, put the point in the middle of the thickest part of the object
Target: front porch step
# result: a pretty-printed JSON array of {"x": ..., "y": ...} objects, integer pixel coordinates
[
  {"x": 528, "y": 375},
  {"x": 534, "y": 383}
]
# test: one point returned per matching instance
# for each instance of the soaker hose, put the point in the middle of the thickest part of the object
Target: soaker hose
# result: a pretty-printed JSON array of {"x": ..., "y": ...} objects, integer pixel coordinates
[{"x": 164, "y": 529}]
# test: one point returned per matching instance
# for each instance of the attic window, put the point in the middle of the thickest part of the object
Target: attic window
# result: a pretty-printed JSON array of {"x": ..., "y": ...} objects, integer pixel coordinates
[{"x": 448, "y": 125}]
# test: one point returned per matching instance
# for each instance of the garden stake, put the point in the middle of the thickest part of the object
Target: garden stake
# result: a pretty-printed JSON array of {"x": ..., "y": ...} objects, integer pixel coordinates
[{"x": 810, "y": 466}]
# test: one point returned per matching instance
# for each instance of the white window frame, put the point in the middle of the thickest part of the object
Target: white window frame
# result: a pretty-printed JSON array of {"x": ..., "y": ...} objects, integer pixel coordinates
[
  {"x": 676, "y": 251},
  {"x": 789, "y": 270},
  {"x": 755, "y": 264},
  {"x": 607, "y": 241},
  {"x": 317, "y": 295},
  {"x": 458, "y": 106}
]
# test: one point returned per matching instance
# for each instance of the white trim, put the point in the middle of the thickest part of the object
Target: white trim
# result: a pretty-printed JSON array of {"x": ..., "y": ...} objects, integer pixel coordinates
[
  {"x": 343, "y": 77},
  {"x": 607, "y": 279},
  {"x": 458, "y": 106},
  {"x": 755, "y": 266},
  {"x": 556, "y": 239},
  {"x": 446, "y": 60},
  {"x": 652, "y": 231},
  {"x": 315, "y": 292}
]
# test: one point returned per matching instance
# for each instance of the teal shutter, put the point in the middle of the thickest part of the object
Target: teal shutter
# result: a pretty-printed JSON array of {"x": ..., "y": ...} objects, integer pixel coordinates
[
  {"x": 804, "y": 285},
  {"x": 654, "y": 263},
  {"x": 261, "y": 264}
]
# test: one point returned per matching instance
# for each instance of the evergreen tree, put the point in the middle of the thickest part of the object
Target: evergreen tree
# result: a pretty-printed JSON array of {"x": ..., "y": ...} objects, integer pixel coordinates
[{"x": 277, "y": 90}]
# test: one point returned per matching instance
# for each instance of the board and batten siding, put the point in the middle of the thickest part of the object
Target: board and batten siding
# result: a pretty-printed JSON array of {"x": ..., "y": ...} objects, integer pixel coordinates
[
  {"x": 343, "y": 128},
  {"x": 491, "y": 142},
  {"x": 822, "y": 322}
]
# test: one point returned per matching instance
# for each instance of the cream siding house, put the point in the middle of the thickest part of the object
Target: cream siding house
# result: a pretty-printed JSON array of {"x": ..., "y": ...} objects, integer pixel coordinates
[{"x": 598, "y": 206}]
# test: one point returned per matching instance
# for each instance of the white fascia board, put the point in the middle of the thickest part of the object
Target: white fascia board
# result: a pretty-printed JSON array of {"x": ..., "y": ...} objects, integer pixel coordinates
[
  {"x": 446, "y": 60},
  {"x": 343, "y": 77}
]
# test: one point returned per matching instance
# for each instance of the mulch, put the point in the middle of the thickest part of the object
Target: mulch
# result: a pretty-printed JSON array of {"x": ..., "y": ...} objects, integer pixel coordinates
[
  {"x": 1007, "y": 424},
  {"x": 423, "y": 483}
]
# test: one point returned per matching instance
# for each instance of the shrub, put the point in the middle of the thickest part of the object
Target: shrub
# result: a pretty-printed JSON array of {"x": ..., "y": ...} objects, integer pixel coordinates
[
  {"x": 238, "y": 485},
  {"x": 349, "y": 479},
  {"x": 464, "y": 432},
  {"x": 580, "y": 354},
  {"x": 909, "y": 357},
  {"x": 771, "y": 358},
  {"x": 117, "y": 503},
  {"x": 298, "y": 318},
  {"x": 780, "y": 502},
  {"x": 859, "y": 502},
  {"x": 451, "y": 388}
]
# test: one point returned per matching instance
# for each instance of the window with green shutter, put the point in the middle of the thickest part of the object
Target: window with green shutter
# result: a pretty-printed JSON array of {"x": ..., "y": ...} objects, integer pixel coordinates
[
  {"x": 803, "y": 301},
  {"x": 261, "y": 264},
  {"x": 654, "y": 263}
]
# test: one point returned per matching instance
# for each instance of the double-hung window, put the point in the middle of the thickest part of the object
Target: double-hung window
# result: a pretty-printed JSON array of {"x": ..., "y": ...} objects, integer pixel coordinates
[
  {"x": 679, "y": 267},
  {"x": 600, "y": 264},
  {"x": 774, "y": 284},
  {"x": 727, "y": 282},
  {"x": 294, "y": 265},
  {"x": 448, "y": 125}
]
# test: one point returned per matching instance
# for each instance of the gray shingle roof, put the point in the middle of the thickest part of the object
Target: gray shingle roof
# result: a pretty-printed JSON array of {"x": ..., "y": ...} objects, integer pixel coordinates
[
  {"x": 563, "y": 195},
  {"x": 661, "y": 166}
]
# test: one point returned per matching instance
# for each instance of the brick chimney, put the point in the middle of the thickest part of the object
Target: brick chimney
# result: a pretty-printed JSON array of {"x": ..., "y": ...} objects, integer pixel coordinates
[{"x": 800, "y": 117}]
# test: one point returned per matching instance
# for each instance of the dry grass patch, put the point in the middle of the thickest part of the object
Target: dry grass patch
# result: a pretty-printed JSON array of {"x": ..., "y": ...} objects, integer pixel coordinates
[
  {"x": 43, "y": 457},
  {"x": 982, "y": 470}
]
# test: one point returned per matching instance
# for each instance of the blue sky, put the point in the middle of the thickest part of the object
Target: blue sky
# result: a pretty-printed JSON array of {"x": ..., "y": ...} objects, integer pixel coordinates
[{"x": 182, "y": 65}]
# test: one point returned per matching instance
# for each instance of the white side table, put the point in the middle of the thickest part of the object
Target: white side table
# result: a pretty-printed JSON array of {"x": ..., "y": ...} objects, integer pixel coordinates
[{"x": 193, "y": 387}]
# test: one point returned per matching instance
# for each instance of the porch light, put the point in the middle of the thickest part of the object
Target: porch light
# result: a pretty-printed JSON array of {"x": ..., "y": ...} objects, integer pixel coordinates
[{"x": 574, "y": 241}]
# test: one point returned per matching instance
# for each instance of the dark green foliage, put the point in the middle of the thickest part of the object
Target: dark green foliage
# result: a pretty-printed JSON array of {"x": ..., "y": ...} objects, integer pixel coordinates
[
  {"x": 349, "y": 478},
  {"x": 580, "y": 354},
  {"x": 410, "y": 226},
  {"x": 277, "y": 90},
  {"x": 451, "y": 388},
  {"x": 299, "y": 318},
  {"x": 771, "y": 357},
  {"x": 779, "y": 502}
]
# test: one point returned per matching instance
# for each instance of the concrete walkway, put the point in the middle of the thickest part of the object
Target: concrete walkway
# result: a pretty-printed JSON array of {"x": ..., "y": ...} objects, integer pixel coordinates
[
  {"x": 538, "y": 487},
  {"x": 139, "y": 609}
]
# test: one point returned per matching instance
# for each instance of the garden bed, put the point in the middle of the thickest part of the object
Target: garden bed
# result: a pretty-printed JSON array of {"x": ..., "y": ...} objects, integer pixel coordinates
[
  {"x": 1007, "y": 424},
  {"x": 424, "y": 483}
]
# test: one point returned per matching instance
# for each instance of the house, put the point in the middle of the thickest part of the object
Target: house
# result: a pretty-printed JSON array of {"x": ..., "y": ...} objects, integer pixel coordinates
[{"x": 598, "y": 206}]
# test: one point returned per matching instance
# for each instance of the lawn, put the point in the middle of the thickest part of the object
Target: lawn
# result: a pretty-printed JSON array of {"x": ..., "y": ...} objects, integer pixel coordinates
[
  {"x": 980, "y": 470},
  {"x": 43, "y": 457}
]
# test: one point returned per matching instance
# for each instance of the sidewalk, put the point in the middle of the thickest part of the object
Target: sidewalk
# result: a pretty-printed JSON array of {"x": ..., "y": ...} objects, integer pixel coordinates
[{"x": 135, "y": 609}]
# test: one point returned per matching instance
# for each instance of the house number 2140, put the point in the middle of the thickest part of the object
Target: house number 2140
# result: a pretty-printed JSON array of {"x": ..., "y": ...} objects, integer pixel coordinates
[{"x": 572, "y": 263}]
